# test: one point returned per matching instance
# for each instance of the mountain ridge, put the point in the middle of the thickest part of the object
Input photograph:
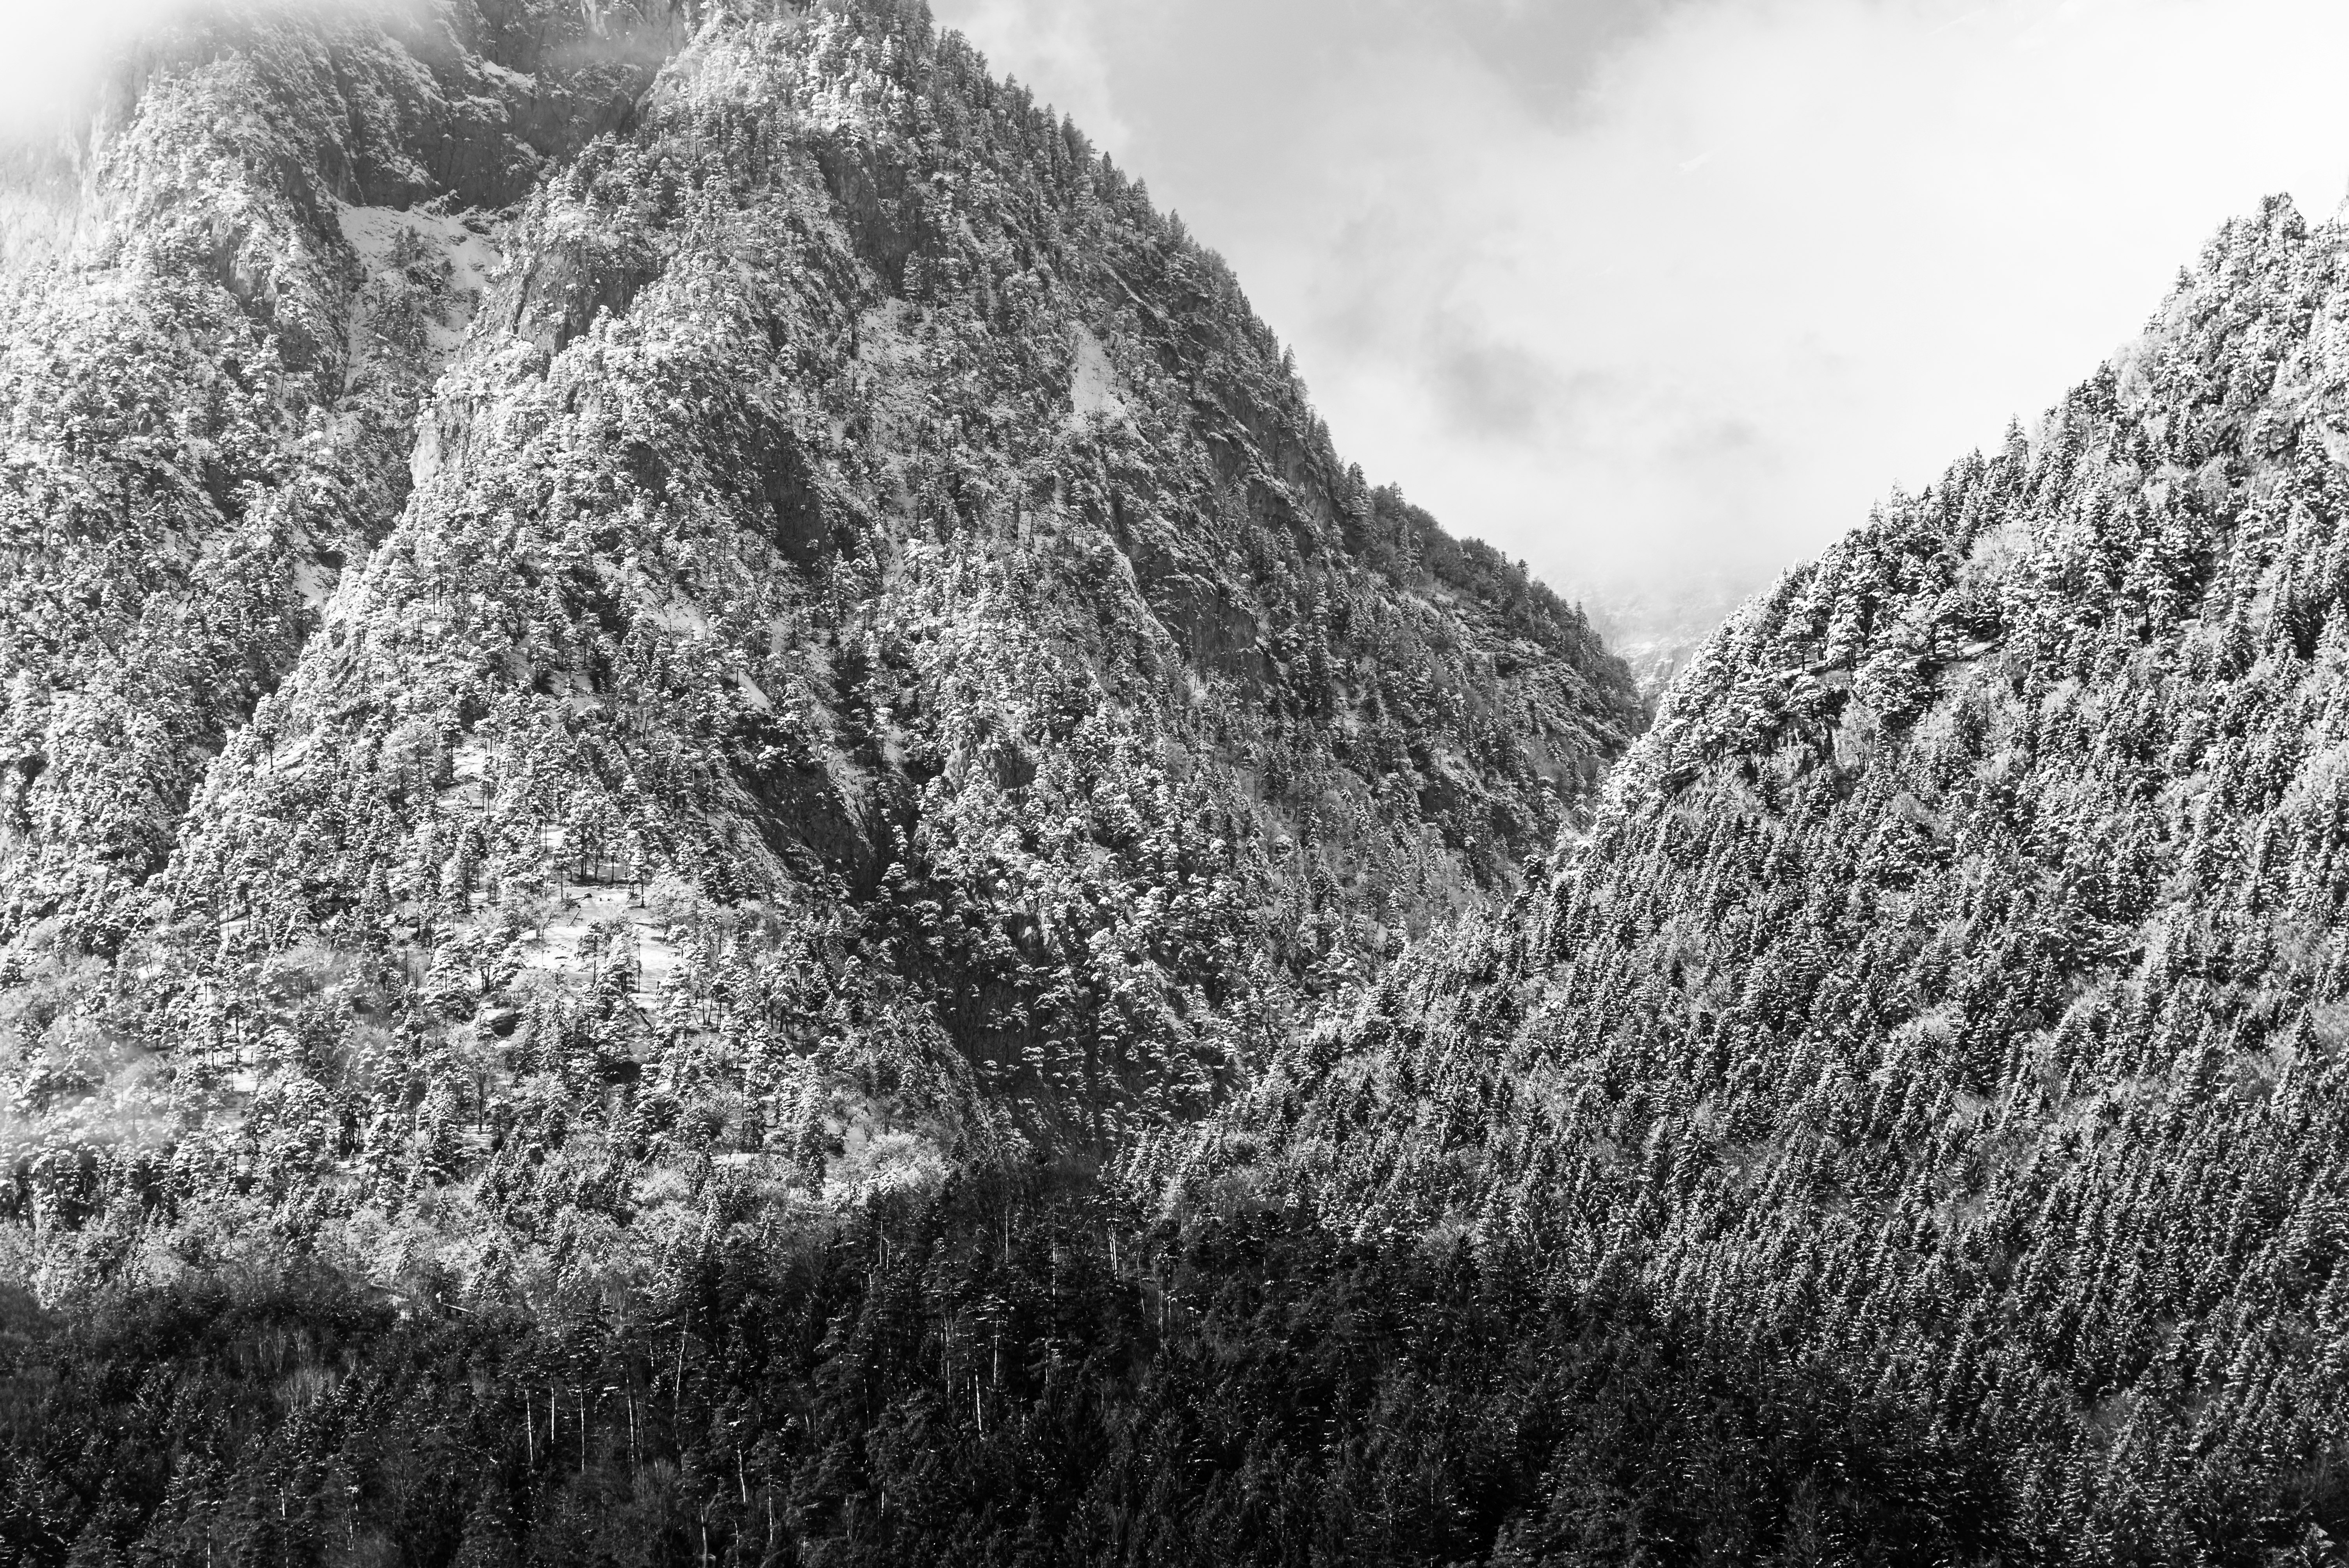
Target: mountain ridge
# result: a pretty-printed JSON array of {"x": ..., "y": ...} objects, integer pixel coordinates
[
  {"x": 867, "y": 661},
  {"x": 1949, "y": 985},
  {"x": 766, "y": 857}
]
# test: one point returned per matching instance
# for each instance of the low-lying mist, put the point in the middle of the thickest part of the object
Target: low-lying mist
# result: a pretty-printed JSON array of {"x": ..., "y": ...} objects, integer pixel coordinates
[{"x": 54, "y": 57}]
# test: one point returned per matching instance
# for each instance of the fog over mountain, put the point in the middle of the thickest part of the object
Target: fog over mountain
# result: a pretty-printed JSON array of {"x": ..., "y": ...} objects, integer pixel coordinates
[{"x": 728, "y": 835}]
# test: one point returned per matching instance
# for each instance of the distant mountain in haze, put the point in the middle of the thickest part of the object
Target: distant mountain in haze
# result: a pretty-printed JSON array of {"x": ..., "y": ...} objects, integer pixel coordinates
[{"x": 1657, "y": 629}]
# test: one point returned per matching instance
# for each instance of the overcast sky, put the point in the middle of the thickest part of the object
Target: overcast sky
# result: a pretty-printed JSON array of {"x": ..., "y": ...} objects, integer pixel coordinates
[{"x": 1638, "y": 289}]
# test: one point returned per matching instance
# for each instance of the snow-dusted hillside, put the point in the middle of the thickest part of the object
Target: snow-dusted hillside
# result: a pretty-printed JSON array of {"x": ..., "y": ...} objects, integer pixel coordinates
[
  {"x": 610, "y": 602},
  {"x": 1950, "y": 995}
]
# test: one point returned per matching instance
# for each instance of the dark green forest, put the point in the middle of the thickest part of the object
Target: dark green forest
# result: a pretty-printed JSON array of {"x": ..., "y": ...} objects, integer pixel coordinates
[{"x": 1000, "y": 1372}]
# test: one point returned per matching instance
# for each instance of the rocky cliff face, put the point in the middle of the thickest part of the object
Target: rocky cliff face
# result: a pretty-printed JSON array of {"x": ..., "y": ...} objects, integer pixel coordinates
[{"x": 865, "y": 661}]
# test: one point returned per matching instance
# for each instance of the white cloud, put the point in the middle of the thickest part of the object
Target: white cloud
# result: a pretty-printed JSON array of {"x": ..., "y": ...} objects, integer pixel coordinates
[
  {"x": 51, "y": 52},
  {"x": 1633, "y": 289},
  {"x": 55, "y": 52}
]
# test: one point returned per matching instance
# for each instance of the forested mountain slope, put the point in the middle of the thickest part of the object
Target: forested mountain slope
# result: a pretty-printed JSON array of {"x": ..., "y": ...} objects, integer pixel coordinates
[
  {"x": 864, "y": 663},
  {"x": 668, "y": 669},
  {"x": 216, "y": 333},
  {"x": 1951, "y": 993}
]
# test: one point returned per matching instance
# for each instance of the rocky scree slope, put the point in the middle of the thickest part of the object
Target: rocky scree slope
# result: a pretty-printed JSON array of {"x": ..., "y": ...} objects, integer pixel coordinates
[
  {"x": 1951, "y": 993},
  {"x": 875, "y": 667}
]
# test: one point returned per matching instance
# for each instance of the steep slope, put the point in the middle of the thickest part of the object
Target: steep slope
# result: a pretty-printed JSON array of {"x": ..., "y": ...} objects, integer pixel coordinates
[
  {"x": 1950, "y": 991},
  {"x": 214, "y": 325},
  {"x": 879, "y": 668}
]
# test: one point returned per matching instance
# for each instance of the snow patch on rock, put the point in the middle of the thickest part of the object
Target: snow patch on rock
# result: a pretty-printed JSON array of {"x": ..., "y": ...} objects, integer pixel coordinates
[
  {"x": 1093, "y": 385},
  {"x": 443, "y": 259}
]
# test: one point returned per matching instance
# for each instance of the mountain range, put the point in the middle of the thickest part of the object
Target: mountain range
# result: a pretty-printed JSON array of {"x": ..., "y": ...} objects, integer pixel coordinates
[{"x": 724, "y": 833}]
